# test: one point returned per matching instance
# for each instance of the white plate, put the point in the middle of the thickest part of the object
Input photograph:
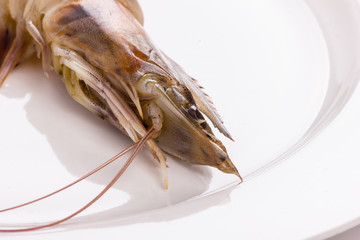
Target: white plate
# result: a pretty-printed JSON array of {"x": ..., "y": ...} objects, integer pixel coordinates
[{"x": 267, "y": 64}]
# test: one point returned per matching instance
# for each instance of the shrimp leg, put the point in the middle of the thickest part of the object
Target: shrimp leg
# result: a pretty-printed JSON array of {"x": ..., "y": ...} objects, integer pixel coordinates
[
  {"x": 46, "y": 56},
  {"x": 142, "y": 142},
  {"x": 131, "y": 124}
]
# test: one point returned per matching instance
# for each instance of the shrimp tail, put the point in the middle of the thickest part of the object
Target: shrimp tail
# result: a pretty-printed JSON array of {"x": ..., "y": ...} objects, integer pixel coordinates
[
  {"x": 10, "y": 54},
  {"x": 5, "y": 38},
  {"x": 13, "y": 49},
  {"x": 16, "y": 44}
]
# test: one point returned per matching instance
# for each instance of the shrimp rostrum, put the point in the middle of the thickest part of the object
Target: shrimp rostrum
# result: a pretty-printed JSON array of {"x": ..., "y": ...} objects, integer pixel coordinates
[{"x": 109, "y": 65}]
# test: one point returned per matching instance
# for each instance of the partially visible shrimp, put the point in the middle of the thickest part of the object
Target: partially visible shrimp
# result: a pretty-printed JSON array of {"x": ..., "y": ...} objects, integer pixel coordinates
[{"x": 110, "y": 66}]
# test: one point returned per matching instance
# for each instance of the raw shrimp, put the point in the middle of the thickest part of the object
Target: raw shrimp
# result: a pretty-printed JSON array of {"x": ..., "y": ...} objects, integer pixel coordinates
[{"x": 110, "y": 66}]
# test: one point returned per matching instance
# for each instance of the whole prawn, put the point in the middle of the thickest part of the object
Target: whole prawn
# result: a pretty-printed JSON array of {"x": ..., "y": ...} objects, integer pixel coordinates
[{"x": 110, "y": 66}]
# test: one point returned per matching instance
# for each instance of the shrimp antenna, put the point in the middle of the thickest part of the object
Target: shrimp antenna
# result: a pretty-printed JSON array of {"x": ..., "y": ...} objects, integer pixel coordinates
[
  {"x": 112, "y": 182},
  {"x": 73, "y": 183}
]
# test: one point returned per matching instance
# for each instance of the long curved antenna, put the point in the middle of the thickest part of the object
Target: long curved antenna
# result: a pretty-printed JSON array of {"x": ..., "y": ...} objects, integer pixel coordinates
[
  {"x": 75, "y": 182},
  {"x": 113, "y": 181}
]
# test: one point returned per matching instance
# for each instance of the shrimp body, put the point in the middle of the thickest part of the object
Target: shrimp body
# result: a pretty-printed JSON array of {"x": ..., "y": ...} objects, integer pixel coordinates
[{"x": 109, "y": 65}]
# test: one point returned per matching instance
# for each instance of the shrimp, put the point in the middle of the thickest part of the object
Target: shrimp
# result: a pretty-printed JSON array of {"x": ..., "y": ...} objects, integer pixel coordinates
[{"x": 109, "y": 65}]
